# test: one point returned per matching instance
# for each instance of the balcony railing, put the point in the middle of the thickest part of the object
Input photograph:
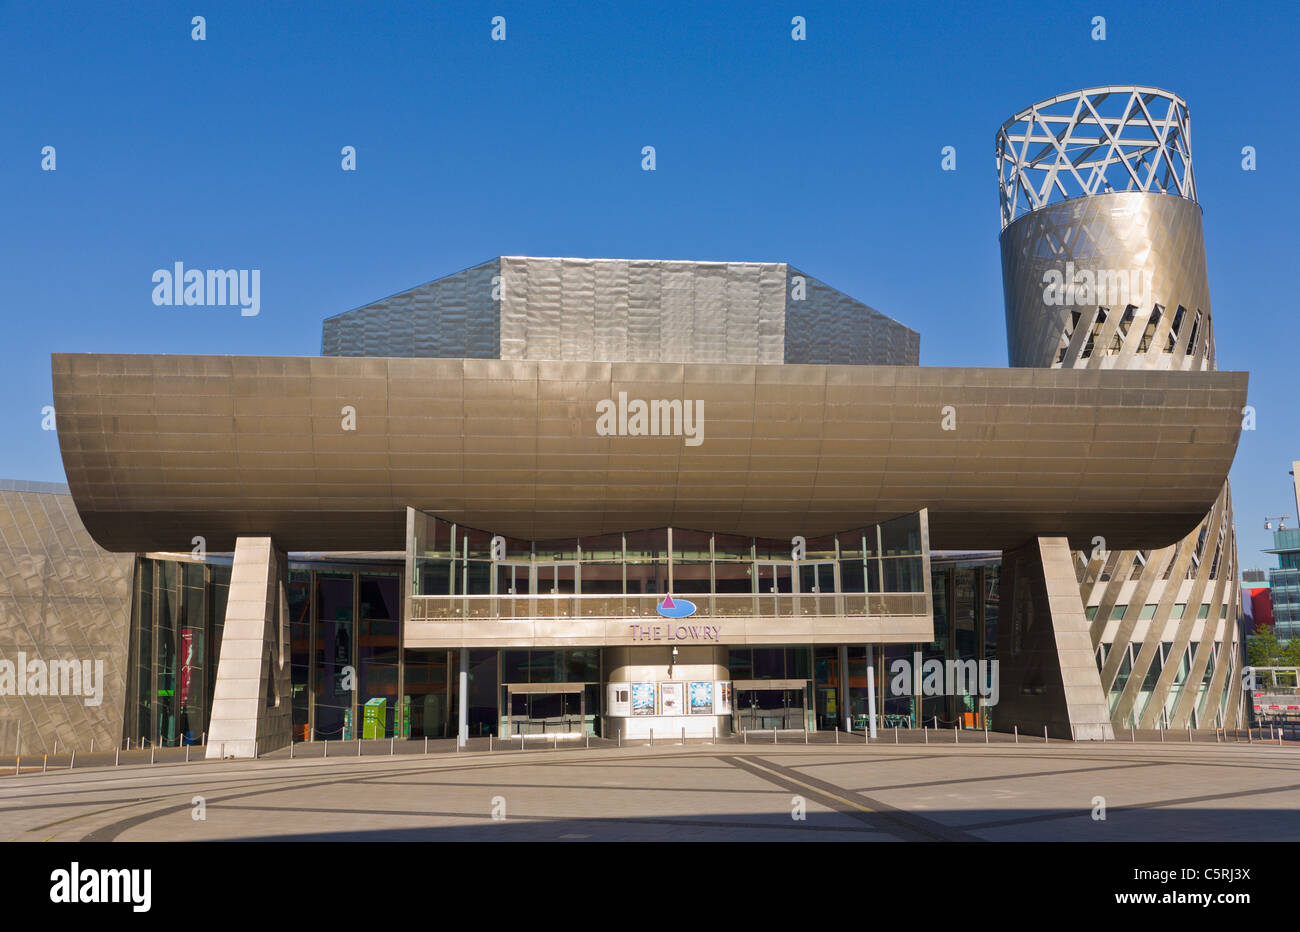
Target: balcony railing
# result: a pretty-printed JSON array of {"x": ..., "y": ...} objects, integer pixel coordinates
[{"x": 461, "y": 608}]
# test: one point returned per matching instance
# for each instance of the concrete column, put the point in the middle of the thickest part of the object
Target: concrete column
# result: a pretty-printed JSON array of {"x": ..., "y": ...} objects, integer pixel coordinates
[
  {"x": 1047, "y": 673},
  {"x": 845, "y": 713},
  {"x": 462, "y": 734},
  {"x": 871, "y": 691},
  {"x": 251, "y": 710}
]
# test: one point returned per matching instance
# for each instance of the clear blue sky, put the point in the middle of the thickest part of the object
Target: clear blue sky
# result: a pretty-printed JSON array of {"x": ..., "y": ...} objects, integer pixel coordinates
[{"x": 823, "y": 153}]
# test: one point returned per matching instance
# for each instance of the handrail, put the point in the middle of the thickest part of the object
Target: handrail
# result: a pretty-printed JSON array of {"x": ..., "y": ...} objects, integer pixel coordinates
[{"x": 602, "y": 606}]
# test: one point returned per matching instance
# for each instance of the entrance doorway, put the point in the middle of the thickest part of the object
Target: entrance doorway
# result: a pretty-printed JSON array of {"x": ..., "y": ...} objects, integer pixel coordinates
[
  {"x": 762, "y": 705},
  {"x": 545, "y": 709},
  {"x": 775, "y": 579}
]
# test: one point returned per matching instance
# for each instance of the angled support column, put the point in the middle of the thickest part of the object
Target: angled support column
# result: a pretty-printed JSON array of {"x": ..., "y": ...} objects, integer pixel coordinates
[
  {"x": 1048, "y": 674},
  {"x": 251, "y": 708}
]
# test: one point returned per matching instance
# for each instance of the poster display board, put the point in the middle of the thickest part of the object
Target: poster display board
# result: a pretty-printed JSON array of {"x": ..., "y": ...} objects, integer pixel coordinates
[
  {"x": 620, "y": 699},
  {"x": 670, "y": 699},
  {"x": 643, "y": 698},
  {"x": 724, "y": 697},
  {"x": 701, "y": 698}
]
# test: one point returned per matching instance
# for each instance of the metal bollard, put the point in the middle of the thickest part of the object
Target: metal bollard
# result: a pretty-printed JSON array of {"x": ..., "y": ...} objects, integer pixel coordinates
[
  {"x": 620, "y": 736},
  {"x": 744, "y": 737},
  {"x": 327, "y": 747},
  {"x": 1162, "y": 734},
  {"x": 588, "y": 740},
  {"x": 426, "y": 744},
  {"x": 44, "y": 760},
  {"x": 1189, "y": 732},
  {"x": 358, "y": 747},
  {"x": 805, "y": 736},
  {"x": 954, "y": 735},
  {"x": 1016, "y": 729},
  {"x": 555, "y": 741},
  {"x": 223, "y": 750},
  {"x": 392, "y": 745},
  {"x": 116, "y": 752},
  {"x": 774, "y": 734},
  {"x": 73, "y": 759},
  {"x": 652, "y": 737},
  {"x": 1044, "y": 734},
  {"x": 1132, "y": 736},
  {"x": 152, "y": 748},
  {"x": 896, "y": 735},
  {"x": 925, "y": 733},
  {"x": 92, "y": 745},
  {"x": 187, "y": 752},
  {"x": 522, "y": 742},
  {"x": 837, "y": 735},
  {"x": 683, "y": 736}
]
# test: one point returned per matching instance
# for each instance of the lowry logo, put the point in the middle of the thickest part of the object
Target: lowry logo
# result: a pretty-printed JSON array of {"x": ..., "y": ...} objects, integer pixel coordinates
[{"x": 682, "y": 608}]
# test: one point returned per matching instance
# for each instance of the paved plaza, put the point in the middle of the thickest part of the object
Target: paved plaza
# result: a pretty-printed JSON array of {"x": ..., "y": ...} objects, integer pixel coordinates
[{"x": 707, "y": 792}]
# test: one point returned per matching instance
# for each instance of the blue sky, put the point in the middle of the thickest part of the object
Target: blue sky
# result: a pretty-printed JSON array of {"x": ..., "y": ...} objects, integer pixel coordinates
[{"x": 824, "y": 153}]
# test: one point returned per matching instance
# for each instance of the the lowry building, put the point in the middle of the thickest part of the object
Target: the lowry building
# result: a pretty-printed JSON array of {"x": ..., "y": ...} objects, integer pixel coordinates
[{"x": 608, "y": 496}]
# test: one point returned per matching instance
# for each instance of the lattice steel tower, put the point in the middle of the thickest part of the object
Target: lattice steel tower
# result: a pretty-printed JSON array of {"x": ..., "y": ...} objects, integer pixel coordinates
[{"x": 1103, "y": 266}]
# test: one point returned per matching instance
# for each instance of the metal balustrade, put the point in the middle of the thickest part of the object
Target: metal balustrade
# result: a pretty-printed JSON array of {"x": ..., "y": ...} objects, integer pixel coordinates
[{"x": 461, "y": 608}]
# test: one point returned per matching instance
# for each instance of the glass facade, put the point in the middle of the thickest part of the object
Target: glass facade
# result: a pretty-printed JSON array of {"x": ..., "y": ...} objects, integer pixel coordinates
[
  {"x": 446, "y": 559},
  {"x": 1285, "y": 583},
  {"x": 174, "y": 646},
  {"x": 344, "y": 652}
]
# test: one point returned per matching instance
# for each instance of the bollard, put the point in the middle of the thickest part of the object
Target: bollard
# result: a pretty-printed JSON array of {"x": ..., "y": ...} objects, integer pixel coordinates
[
  {"x": 954, "y": 735},
  {"x": 587, "y": 736},
  {"x": 128, "y": 744},
  {"x": 522, "y": 742},
  {"x": 805, "y": 735},
  {"x": 1132, "y": 736},
  {"x": 744, "y": 737},
  {"x": 392, "y": 745},
  {"x": 1279, "y": 737},
  {"x": 44, "y": 760},
  {"x": 116, "y": 752},
  {"x": 837, "y": 735},
  {"x": 327, "y": 747},
  {"x": 896, "y": 735},
  {"x": 555, "y": 741},
  {"x": 620, "y": 736},
  {"x": 925, "y": 732},
  {"x": 73, "y": 759},
  {"x": 152, "y": 748},
  {"x": 1162, "y": 734},
  {"x": 683, "y": 736},
  {"x": 92, "y": 745},
  {"x": 426, "y": 744},
  {"x": 187, "y": 752},
  {"x": 223, "y": 750},
  {"x": 1189, "y": 732},
  {"x": 652, "y": 737},
  {"x": 774, "y": 734},
  {"x": 358, "y": 747},
  {"x": 1016, "y": 729}
]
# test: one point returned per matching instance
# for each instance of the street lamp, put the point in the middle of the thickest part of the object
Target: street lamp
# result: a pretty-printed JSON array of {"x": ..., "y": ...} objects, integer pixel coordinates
[{"x": 1281, "y": 523}]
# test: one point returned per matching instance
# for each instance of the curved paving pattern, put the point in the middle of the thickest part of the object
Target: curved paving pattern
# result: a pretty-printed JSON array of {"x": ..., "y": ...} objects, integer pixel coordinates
[{"x": 733, "y": 792}]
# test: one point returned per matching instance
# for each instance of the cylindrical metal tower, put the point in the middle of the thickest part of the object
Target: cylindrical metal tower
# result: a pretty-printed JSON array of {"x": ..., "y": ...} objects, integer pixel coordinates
[{"x": 1103, "y": 266}]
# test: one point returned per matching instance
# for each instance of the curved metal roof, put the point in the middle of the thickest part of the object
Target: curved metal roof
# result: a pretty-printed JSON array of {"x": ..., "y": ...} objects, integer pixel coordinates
[{"x": 161, "y": 449}]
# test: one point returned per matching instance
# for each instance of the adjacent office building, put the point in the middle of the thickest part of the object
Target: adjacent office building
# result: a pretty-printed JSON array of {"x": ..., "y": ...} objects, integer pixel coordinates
[{"x": 610, "y": 496}]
